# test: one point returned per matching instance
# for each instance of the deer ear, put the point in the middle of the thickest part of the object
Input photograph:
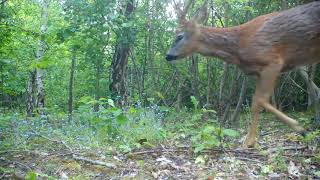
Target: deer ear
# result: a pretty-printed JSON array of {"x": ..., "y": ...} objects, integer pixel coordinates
[
  {"x": 191, "y": 27},
  {"x": 202, "y": 13}
]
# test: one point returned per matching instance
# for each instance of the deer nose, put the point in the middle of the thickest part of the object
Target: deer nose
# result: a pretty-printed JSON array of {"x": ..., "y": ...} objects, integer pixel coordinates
[{"x": 170, "y": 57}]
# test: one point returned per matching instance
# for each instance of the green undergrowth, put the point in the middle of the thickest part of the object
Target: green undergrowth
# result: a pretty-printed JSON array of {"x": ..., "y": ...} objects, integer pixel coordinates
[{"x": 114, "y": 129}]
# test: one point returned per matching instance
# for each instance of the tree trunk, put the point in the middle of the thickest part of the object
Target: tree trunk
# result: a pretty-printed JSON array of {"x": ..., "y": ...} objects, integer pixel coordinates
[
  {"x": 235, "y": 115},
  {"x": 71, "y": 83},
  {"x": 225, "y": 67},
  {"x": 36, "y": 84},
  {"x": 209, "y": 84},
  {"x": 178, "y": 103},
  {"x": 284, "y": 4},
  {"x": 119, "y": 74},
  {"x": 232, "y": 94},
  {"x": 2, "y": 88},
  {"x": 97, "y": 86},
  {"x": 312, "y": 76},
  {"x": 313, "y": 92},
  {"x": 120, "y": 60},
  {"x": 194, "y": 71},
  {"x": 31, "y": 91},
  {"x": 223, "y": 83},
  {"x": 40, "y": 55}
]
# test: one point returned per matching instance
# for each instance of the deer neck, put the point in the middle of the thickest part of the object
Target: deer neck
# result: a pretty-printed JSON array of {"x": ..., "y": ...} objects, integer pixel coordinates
[{"x": 219, "y": 42}]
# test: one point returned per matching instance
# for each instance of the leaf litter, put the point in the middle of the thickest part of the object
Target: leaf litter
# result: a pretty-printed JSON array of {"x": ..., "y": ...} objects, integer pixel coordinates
[{"x": 273, "y": 158}]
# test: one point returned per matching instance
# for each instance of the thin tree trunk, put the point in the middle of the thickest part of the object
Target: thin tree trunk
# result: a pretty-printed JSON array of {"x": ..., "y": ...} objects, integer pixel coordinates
[
  {"x": 2, "y": 88},
  {"x": 40, "y": 55},
  {"x": 209, "y": 83},
  {"x": 313, "y": 91},
  {"x": 284, "y": 4},
  {"x": 243, "y": 90},
  {"x": 97, "y": 86},
  {"x": 137, "y": 81},
  {"x": 312, "y": 76},
  {"x": 303, "y": 72},
  {"x": 71, "y": 84},
  {"x": 194, "y": 71},
  {"x": 142, "y": 87},
  {"x": 31, "y": 91},
  {"x": 225, "y": 67},
  {"x": 179, "y": 92},
  {"x": 223, "y": 83},
  {"x": 233, "y": 91}
]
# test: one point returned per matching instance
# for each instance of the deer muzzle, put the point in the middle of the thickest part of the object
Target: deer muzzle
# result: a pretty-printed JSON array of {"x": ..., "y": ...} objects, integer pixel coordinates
[{"x": 171, "y": 57}]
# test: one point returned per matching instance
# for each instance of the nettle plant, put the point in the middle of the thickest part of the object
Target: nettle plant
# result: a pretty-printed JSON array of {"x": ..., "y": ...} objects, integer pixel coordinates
[
  {"x": 127, "y": 128},
  {"x": 211, "y": 135}
]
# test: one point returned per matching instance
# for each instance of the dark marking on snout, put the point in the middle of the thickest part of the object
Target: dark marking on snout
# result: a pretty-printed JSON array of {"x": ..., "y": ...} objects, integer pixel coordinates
[{"x": 171, "y": 57}]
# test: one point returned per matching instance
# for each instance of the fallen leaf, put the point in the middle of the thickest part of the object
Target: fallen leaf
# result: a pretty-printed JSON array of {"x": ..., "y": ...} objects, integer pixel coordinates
[{"x": 293, "y": 170}]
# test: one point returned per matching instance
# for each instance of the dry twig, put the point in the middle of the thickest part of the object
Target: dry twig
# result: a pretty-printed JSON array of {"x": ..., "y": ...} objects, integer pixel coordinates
[{"x": 78, "y": 157}]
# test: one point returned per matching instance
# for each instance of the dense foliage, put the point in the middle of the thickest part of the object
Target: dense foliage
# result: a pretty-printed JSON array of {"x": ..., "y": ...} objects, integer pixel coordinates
[
  {"x": 89, "y": 32},
  {"x": 93, "y": 74}
]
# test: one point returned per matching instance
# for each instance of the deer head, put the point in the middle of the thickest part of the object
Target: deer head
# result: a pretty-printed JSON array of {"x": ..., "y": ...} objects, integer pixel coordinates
[{"x": 187, "y": 33}]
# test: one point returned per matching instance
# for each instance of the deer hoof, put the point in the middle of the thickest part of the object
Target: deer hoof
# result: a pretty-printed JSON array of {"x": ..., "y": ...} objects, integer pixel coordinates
[{"x": 249, "y": 143}]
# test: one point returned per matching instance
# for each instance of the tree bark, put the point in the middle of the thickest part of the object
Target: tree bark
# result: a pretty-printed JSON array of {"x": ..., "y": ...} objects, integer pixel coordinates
[
  {"x": 31, "y": 91},
  {"x": 97, "y": 85},
  {"x": 223, "y": 83},
  {"x": 243, "y": 90},
  {"x": 71, "y": 84},
  {"x": 120, "y": 60},
  {"x": 194, "y": 71},
  {"x": 225, "y": 67},
  {"x": 313, "y": 92},
  {"x": 312, "y": 76},
  {"x": 2, "y": 87},
  {"x": 232, "y": 94},
  {"x": 36, "y": 84},
  {"x": 40, "y": 55},
  {"x": 209, "y": 84}
]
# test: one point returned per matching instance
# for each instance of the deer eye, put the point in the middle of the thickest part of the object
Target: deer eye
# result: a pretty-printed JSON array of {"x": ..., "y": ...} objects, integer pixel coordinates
[{"x": 179, "y": 37}]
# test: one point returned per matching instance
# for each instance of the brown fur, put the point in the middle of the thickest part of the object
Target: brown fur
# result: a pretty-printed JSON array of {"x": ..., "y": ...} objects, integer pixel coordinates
[{"x": 264, "y": 46}]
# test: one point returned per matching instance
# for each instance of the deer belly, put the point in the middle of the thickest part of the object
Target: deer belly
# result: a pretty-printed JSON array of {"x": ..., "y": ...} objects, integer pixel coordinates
[{"x": 306, "y": 54}]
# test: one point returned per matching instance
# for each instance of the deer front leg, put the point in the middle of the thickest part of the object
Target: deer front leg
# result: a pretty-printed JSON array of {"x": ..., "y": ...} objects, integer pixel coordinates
[
  {"x": 251, "y": 137},
  {"x": 264, "y": 87}
]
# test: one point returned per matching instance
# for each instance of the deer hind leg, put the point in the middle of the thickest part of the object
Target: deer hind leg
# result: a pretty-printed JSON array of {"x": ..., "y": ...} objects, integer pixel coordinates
[{"x": 265, "y": 85}]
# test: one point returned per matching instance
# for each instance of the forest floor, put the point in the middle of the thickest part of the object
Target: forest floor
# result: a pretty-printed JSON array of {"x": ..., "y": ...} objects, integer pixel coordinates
[{"x": 279, "y": 154}]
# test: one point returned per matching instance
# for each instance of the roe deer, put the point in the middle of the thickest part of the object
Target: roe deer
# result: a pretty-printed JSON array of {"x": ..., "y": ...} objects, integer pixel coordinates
[{"x": 264, "y": 47}]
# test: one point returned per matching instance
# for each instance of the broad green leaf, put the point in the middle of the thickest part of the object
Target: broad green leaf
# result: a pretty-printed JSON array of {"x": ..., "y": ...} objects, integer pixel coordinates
[
  {"x": 208, "y": 130},
  {"x": 111, "y": 102},
  {"x": 132, "y": 110},
  {"x": 122, "y": 119},
  {"x": 267, "y": 169},
  {"x": 231, "y": 133},
  {"x": 195, "y": 102},
  {"x": 117, "y": 112},
  {"x": 31, "y": 175},
  {"x": 200, "y": 160}
]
